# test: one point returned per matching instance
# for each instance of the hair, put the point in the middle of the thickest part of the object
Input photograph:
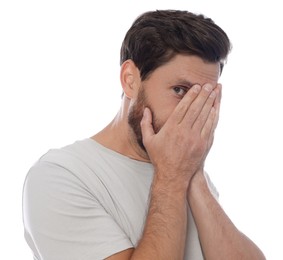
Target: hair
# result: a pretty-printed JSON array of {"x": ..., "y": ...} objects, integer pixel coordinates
[{"x": 156, "y": 37}]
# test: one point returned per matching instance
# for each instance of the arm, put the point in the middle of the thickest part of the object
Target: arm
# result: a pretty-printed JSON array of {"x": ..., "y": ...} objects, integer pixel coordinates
[
  {"x": 187, "y": 133},
  {"x": 220, "y": 239},
  {"x": 164, "y": 234}
]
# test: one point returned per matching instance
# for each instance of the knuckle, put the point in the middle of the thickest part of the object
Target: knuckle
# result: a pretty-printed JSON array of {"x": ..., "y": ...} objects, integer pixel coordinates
[{"x": 199, "y": 148}]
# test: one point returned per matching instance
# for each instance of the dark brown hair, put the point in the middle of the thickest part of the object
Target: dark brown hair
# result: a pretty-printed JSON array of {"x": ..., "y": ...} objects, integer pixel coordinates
[{"x": 155, "y": 37}]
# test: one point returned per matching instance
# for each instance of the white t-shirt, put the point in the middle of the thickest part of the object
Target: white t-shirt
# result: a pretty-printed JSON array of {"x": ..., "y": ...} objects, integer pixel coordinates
[{"x": 87, "y": 202}]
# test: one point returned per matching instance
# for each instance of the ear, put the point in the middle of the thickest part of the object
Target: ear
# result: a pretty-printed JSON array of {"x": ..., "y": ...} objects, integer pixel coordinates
[{"x": 130, "y": 78}]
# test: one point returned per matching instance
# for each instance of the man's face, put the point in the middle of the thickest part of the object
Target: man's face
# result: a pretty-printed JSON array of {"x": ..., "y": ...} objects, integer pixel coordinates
[{"x": 166, "y": 86}]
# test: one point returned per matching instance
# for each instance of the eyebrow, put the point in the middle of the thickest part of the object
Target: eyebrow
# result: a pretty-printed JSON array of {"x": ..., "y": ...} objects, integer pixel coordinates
[{"x": 185, "y": 83}]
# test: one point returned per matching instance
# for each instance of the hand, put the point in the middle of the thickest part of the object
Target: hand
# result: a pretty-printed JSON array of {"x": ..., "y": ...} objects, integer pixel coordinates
[{"x": 179, "y": 149}]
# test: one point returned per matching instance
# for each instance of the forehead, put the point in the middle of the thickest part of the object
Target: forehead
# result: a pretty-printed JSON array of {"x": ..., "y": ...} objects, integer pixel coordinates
[{"x": 187, "y": 68}]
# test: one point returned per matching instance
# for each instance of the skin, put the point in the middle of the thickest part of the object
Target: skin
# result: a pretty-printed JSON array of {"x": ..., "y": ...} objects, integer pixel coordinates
[{"x": 179, "y": 103}]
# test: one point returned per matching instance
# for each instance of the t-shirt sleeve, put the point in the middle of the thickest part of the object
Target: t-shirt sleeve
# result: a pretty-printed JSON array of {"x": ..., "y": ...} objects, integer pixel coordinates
[
  {"x": 211, "y": 186},
  {"x": 64, "y": 220}
]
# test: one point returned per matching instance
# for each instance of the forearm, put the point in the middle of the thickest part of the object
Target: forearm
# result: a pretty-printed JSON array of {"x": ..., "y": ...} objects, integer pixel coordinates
[
  {"x": 165, "y": 228},
  {"x": 219, "y": 237}
]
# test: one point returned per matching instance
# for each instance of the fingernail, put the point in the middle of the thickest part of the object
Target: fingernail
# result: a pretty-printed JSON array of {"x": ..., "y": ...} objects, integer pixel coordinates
[
  {"x": 208, "y": 87},
  {"x": 212, "y": 94},
  {"x": 145, "y": 113},
  {"x": 196, "y": 88}
]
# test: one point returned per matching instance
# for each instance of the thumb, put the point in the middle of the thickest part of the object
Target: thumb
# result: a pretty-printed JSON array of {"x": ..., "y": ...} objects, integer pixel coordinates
[{"x": 146, "y": 125}]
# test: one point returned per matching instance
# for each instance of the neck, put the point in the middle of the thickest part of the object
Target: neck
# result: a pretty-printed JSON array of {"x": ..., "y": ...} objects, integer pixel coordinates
[{"x": 119, "y": 137}]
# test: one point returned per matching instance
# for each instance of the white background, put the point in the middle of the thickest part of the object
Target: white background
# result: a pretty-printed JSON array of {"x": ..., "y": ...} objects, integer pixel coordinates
[{"x": 59, "y": 82}]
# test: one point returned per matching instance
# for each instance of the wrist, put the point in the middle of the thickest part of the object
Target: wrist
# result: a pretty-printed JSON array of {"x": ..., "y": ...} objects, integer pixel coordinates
[
  {"x": 198, "y": 184},
  {"x": 172, "y": 178}
]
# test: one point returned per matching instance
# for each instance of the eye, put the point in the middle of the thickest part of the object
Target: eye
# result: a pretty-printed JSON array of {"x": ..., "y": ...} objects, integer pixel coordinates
[{"x": 180, "y": 91}]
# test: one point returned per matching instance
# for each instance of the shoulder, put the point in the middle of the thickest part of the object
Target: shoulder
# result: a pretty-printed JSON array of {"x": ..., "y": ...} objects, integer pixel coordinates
[
  {"x": 72, "y": 158},
  {"x": 60, "y": 167},
  {"x": 62, "y": 206}
]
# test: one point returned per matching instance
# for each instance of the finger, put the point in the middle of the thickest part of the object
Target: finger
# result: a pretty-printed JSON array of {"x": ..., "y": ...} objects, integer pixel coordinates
[
  {"x": 146, "y": 126},
  {"x": 207, "y": 131},
  {"x": 212, "y": 121},
  {"x": 217, "y": 104},
  {"x": 181, "y": 109},
  {"x": 219, "y": 89},
  {"x": 205, "y": 111},
  {"x": 201, "y": 102}
]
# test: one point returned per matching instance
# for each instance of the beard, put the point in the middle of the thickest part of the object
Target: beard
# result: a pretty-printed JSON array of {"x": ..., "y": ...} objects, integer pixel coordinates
[{"x": 136, "y": 114}]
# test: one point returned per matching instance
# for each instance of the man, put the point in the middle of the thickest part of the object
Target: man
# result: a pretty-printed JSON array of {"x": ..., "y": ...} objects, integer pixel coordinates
[{"x": 138, "y": 189}]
